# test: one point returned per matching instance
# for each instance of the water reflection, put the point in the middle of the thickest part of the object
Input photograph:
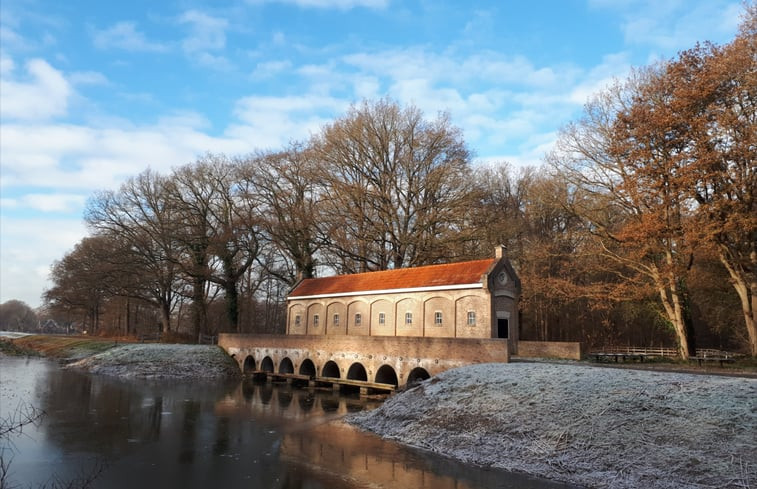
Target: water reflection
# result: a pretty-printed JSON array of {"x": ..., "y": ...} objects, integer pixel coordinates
[{"x": 195, "y": 435}]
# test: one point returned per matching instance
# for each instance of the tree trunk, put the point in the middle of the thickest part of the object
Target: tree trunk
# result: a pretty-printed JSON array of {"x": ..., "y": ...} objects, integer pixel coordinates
[
  {"x": 674, "y": 304},
  {"x": 199, "y": 311},
  {"x": 232, "y": 305},
  {"x": 165, "y": 316},
  {"x": 746, "y": 288}
]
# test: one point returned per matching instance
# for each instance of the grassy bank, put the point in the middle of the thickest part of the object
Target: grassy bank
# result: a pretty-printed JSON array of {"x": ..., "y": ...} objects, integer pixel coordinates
[
  {"x": 60, "y": 347},
  {"x": 128, "y": 360}
]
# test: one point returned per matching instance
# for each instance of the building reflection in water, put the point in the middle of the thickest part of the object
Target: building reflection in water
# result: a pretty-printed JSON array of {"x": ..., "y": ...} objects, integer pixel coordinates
[{"x": 322, "y": 445}]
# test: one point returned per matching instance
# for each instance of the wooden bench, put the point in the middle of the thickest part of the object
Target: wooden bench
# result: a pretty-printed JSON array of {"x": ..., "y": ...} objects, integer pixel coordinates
[
  {"x": 720, "y": 359},
  {"x": 599, "y": 356},
  {"x": 143, "y": 337}
]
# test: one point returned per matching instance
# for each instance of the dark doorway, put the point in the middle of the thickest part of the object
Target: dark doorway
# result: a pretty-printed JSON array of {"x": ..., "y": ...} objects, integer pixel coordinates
[
  {"x": 503, "y": 328},
  {"x": 417, "y": 375}
]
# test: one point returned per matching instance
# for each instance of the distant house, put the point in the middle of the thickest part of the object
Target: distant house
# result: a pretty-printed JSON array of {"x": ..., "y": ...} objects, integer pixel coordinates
[
  {"x": 51, "y": 326},
  {"x": 471, "y": 299}
]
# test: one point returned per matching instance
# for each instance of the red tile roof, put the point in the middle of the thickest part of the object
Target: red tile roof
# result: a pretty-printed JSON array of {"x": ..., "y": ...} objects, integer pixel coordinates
[{"x": 468, "y": 272}]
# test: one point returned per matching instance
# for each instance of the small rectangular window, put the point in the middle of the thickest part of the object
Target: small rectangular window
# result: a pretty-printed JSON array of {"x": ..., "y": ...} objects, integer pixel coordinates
[
  {"x": 471, "y": 318},
  {"x": 336, "y": 319},
  {"x": 358, "y": 319},
  {"x": 297, "y": 320},
  {"x": 382, "y": 318},
  {"x": 438, "y": 318},
  {"x": 316, "y": 319},
  {"x": 408, "y": 318}
]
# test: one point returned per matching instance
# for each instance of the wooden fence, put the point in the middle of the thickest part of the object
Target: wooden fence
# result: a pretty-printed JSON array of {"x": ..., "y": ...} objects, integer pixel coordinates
[{"x": 661, "y": 351}]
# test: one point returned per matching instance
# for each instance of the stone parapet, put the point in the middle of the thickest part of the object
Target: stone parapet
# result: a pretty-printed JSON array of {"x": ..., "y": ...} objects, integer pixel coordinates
[{"x": 403, "y": 355}]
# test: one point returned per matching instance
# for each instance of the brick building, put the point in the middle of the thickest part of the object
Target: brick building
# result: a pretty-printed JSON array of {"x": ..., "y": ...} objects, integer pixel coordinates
[{"x": 472, "y": 299}]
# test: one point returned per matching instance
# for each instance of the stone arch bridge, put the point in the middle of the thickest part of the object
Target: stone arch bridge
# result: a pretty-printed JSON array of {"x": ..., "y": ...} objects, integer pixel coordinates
[{"x": 365, "y": 362}]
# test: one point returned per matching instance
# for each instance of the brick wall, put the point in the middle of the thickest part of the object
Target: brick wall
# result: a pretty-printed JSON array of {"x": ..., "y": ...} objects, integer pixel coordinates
[
  {"x": 550, "y": 349},
  {"x": 403, "y": 354}
]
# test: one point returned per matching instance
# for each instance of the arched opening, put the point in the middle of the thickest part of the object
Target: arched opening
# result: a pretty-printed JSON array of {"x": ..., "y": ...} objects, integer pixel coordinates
[
  {"x": 249, "y": 364},
  {"x": 386, "y": 375},
  {"x": 357, "y": 372},
  {"x": 266, "y": 365},
  {"x": 417, "y": 375},
  {"x": 285, "y": 366},
  {"x": 330, "y": 369},
  {"x": 307, "y": 368}
]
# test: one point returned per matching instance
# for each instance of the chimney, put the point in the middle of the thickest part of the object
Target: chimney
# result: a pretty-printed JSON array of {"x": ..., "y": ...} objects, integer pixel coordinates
[{"x": 500, "y": 251}]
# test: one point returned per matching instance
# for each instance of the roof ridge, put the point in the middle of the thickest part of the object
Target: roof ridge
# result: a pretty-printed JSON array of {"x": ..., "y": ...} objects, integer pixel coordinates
[
  {"x": 407, "y": 268},
  {"x": 462, "y": 273}
]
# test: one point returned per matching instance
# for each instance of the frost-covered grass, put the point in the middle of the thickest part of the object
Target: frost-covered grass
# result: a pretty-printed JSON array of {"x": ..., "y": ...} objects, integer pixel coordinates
[
  {"x": 161, "y": 361},
  {"x": 591, "y": 426}
]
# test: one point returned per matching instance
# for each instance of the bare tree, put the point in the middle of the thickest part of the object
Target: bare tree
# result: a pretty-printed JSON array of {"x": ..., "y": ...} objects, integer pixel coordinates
[
  {"x": 715, "y": 100},
  {"x": 626, "y": 163},
  {"x": 141, "y": 216},
  {"x": 16, "y": 315},
  {"x": 217, "y": 230},
  {"x": 282, "y": 187},
  {"x": 395, "y": 187},
  {"x": 86, "y": 277}
]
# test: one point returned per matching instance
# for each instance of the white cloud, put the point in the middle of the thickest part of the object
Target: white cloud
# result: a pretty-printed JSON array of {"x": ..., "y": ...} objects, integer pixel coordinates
[
  {"x": 124, "y": 35},
  {"x": 43, "y": 94},
  {"x": 613, "y": 67},
  {"x": 270, "y": 69},
  {"x": 28, "y": 249},
  {"x": 56, "y": 202},
  {"x": 9, "y": 37},
  {"x": 271, "y": 122},
  {"x": 86, "y": 158},
  {"x": 329, "y": 4},
  {"x": 208, "y": 33},
  {"x": 87, "y": 78},
  {"x": 675, "y": 24},
  {"x": 6, "y": 66}
]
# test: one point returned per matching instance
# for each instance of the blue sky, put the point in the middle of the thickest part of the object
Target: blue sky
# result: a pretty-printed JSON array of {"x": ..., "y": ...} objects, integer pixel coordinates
[{"x": 94, "y": 92}]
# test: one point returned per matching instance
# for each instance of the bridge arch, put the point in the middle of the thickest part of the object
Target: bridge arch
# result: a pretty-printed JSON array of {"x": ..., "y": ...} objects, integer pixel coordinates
[
  {"x": 387, "y": 375},
  {"x": 307, "y": 367},
  {"x": 286, "y": 366},
  {"x": 416, "y": 375},
  {"x": 357, "y": 372},
  {"x": 266, "y": 365},
  {"x": 249, "y": 364},
  {"x": 330, "y": 369}
]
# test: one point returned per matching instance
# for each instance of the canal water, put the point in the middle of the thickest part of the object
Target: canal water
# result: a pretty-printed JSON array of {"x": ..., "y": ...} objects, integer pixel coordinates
[{"x": 150, "y": 434}]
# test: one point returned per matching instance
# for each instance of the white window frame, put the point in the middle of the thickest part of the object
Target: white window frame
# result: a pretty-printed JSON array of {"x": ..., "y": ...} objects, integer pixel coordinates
[
  {"x": 336, "y": 319},
  {"x": 382, "y": 318},
  {"x": 408, "y": 318},
  {"x": 471, "y": 318},
  {"x": 438, "y": 318},
  {"x": 358, "y": 319}
]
